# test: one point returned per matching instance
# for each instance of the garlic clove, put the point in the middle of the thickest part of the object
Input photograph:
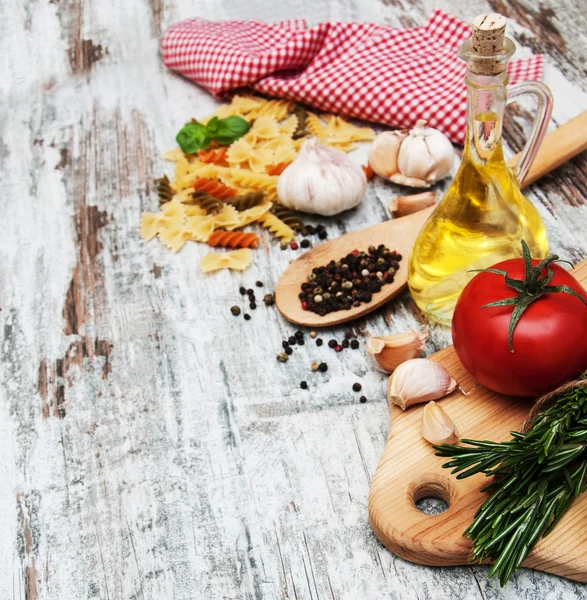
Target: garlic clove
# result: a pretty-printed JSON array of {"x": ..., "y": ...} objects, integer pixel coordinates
[
  {"x": 437, "y": 426},
  {"x": 400, "y": 206},
  {"x": 409, "y": 181},
  {"x": 418, "y": 380},
  {"x": 384, "y": 151},
  {"x": 425, "y": 154},
  {"x": 388, "y": 352}
]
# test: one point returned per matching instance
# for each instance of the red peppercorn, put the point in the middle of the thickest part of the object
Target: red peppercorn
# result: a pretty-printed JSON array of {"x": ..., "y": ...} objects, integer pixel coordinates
[
  {"x": 294, "y": 246},
  {"x": 304, "y": 306},
  {"x": 338, "y": 348}
]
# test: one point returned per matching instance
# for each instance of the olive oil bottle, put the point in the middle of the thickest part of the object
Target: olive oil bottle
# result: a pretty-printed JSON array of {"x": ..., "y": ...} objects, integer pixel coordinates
[{"x": 483, "y": 215}]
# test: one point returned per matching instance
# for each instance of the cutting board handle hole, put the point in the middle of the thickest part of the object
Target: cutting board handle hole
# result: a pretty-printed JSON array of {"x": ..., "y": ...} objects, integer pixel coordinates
[{"x": 431, "y": 494}]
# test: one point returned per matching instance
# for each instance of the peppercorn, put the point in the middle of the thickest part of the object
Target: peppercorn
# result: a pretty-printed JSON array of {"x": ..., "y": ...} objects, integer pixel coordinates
[
  {"x": 305, "y": 243},
  {"x": 314, "y": 366},
  {"x": 235, "y": 310},
  {"x": 354, "y": 344},
  {"x": 247, "y": 317},
  {"x": 319, "y": 342},
  {"x": 299, "y": 334},
  {"x": 259, "y": 283},
  {"x": 304, "y": 385},
  {"x": 282, "y": 357},
  {"x": 288, "y": 351},
  {"x": 252, "y": 306},
  {"x": 313, "y": 334},
  {"x": 251, "y": 291},
  {"x": 323, "y": 367},
  {"x": 269, "y": 299},
  {"x": 348, "y": 334},
  {"x": 357, "y": 387},
  {"x": 332, "y": 343},
  {"x": 285, "y": 344},
  {"x": 338, "y": 348},
  {"x": 242, "y": 290},
  {"x": 345, "y": 343},
  {"x": 362, "y": 399},
  {"x": 322, "y": 234},
  {"x": 301, "y": 341},
  {"x": 294, "y": 245}
]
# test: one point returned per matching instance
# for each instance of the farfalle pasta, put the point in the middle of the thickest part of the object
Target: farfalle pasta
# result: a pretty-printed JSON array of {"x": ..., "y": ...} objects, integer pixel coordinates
[
  {"x": 237, "y": 260},
  {"x": 221, "y": 190}
]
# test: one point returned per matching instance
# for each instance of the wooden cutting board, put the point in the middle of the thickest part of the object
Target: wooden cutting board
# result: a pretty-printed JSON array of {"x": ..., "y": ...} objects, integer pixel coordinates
[{"x": 409, "y": 471}]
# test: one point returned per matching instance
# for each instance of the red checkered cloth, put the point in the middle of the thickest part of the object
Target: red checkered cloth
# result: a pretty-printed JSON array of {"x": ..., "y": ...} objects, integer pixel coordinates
[{"x": 373, "y": 72}]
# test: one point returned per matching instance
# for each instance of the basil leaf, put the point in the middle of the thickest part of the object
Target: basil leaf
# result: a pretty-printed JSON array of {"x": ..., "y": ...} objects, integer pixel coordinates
[
  {"x": 192, "y": 137},
  {"x": 213, "y": 125},
  {"x": 230, "y": 129}
]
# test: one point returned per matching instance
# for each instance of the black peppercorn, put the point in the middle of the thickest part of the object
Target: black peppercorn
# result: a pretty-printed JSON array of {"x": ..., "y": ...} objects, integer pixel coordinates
[
  {"x": 345, "y": 343},
  {"x": 235, "y": 310},
  {"x": 332, "y": 343},
  {"x": 305, "y": 243},
  {"x": 304, "y": 385},
  {"x": 242, "y": 290},
  {"x": 354, "y": 344},
  {"x": 362, "y": 399},
  {"x": 319, "y": 341},
  {"x": 285, "y": 344},
  {"x": 247, "y": 317},
  {"x": 291, "y": 340},
  {"x": 322, "y": 367},
  {"x": 259, "y": 283},
  {"x": 288, "y": 351},
  {"x": 299, "y": 334},
  {"x": 250, "y": 291},
  {"x": 357, "y": 387},
  {"x": 252, "y": 306}
]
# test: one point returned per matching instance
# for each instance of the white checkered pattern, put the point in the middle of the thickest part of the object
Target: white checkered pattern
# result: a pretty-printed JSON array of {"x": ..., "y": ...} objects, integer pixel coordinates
[{"x": 377, "y": 73}]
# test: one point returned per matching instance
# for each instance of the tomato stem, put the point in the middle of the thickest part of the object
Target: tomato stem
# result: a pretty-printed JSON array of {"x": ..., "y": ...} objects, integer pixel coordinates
[{"x": 531, "y": 288}]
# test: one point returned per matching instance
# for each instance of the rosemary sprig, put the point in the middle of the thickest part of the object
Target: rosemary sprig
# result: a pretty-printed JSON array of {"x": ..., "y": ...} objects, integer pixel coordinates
[{"x": 537, "y": 475}]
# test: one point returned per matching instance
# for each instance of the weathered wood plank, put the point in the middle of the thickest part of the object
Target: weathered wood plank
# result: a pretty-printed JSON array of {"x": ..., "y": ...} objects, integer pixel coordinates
[{"x": 150, "y": 444}]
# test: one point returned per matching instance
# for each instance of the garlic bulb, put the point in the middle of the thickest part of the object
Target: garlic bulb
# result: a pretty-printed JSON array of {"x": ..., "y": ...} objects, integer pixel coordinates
[
  {"x": 321, "y": 180},
  {"x": 419, "y": 380},
  {"x": 400, "y": 206},
  {"x": 388, "y": 352},
  {"x": 417, "y": 158},
  {"x": 437, "y": 426},
  {"x": 384, "y": 150},
  {"x": 426, "y": 154}
]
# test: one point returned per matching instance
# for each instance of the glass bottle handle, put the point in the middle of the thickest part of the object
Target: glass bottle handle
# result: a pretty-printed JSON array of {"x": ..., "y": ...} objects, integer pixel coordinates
[{"x": 544, "y": 100}]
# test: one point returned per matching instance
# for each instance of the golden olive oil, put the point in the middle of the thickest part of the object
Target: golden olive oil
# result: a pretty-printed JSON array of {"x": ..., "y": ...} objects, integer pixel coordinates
[
  {"x": 483, "y": 217},
  {"x": 479, "y": 222}
]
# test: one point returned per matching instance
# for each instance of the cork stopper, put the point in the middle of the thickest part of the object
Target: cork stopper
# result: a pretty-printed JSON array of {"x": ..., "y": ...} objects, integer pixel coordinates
[{"x": 488, "y": 40}]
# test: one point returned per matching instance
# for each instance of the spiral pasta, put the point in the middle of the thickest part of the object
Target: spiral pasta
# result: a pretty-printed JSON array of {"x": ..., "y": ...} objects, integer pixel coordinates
[
  {"x": 164, "y": 190},
  {"x": 209, "y": 203},
  {"x": 216, "y": 156},
  {"x": 257, "y": 181},
  {"x": 246, "y": 201},
  {"x": 233, "y": 239},
  {"x": 213, "y": 188},
  {"x": 289, "y": 217},
  {"x": 277, "y": 227},
  {"x": 278, "y": 168}
]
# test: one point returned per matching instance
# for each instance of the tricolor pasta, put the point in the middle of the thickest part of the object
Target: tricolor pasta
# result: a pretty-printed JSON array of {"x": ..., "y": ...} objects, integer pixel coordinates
[{"x": 220, "y": 190}]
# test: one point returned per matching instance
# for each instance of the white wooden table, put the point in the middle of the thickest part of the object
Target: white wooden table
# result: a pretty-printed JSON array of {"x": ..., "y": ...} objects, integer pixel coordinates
[{"x": 151, "y": 447}]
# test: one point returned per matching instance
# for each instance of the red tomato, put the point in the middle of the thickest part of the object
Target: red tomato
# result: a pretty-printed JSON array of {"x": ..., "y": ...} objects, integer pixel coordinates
[{"x": 549, "y": 341}]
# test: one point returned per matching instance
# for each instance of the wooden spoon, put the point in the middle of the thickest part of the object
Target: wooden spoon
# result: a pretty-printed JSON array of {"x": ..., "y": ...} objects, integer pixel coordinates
[{"x": 400, "y": 234}]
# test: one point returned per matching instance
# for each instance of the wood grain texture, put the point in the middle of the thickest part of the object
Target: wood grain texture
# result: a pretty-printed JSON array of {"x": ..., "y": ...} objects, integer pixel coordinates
[
  {"x": 150, "y": 444},
  {"x": 409, "y": 471}
]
